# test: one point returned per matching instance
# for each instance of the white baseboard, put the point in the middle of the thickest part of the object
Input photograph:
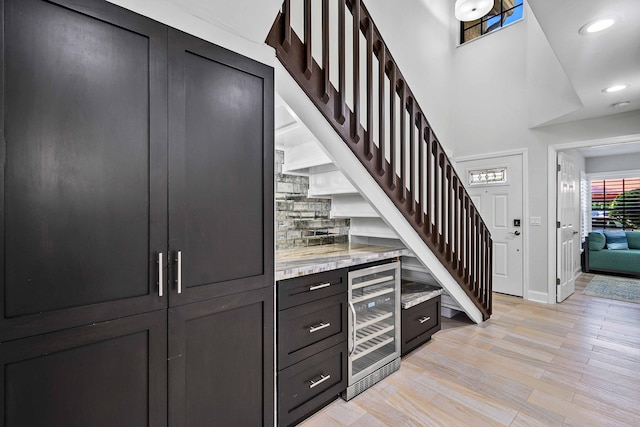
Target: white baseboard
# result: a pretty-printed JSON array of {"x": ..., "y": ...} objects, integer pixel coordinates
[{"x": 536, "y": 296}]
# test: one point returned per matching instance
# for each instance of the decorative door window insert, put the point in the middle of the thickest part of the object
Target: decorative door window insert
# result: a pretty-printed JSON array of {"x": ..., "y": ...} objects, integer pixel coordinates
[{"x": 488, "y": 176}]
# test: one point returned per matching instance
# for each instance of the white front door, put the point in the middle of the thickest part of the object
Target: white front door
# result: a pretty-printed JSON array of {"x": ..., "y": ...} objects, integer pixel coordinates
[
  {"x": 499, "y": 200},
  {"x": 568, "y": 225}
]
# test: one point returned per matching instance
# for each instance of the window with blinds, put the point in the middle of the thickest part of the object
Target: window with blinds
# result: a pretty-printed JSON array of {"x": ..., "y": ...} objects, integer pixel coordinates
[{"x": 615, "y": 203}]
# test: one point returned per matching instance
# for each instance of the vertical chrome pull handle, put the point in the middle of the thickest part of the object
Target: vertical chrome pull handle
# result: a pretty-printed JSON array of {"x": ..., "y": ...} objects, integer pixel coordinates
[
  {"x": 179, "y": 273},
  {"x": 353, "y": 328},
  {"x": 160, "y": 278}
]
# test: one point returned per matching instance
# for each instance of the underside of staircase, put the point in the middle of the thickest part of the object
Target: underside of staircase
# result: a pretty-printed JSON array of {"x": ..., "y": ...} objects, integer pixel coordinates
[{"x": 392, "y": 156}]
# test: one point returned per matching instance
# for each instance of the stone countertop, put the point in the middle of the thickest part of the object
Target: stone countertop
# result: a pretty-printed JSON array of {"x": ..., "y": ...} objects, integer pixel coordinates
[
  {"x": 415, "y": 293},
  {"x": 315, "y": 259}
]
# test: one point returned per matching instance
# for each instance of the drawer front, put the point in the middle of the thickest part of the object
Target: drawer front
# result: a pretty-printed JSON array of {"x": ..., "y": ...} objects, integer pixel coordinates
[
  {"x": 307, "y": 329},
  {"x": 300, "y": 290},
  {"x": 421, "y": 319},
  {"x": 307, "y": 386}
]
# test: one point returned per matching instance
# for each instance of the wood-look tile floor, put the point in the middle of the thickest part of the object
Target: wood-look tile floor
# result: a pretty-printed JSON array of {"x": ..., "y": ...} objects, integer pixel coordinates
[{"x": 571, "y": 364}]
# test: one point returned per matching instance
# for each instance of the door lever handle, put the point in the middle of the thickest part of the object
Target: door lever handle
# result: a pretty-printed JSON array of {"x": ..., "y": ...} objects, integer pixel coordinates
[{"x": 517, "y": 233}]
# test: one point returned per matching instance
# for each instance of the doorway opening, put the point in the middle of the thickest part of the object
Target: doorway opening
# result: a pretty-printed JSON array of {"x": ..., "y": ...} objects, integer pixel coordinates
[{"x": 598, "y": 156}]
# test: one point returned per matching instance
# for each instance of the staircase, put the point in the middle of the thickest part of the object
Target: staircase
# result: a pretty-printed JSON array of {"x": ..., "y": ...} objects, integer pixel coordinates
[{"x": 375, "y": 132}]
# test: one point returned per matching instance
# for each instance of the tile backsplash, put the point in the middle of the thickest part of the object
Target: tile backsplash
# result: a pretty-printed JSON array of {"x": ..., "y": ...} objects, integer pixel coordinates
[{"x": 303, "y": 221}]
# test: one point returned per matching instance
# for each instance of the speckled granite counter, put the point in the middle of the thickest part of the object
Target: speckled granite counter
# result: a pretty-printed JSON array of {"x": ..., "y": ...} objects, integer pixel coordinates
[
  {"x": 415, "y": 293},
  {"x": 315, "y": 259}
]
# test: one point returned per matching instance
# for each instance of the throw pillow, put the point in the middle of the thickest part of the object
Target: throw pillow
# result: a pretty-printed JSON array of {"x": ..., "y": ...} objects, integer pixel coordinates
[
  {"x": 616, "y": 239},
  {"x": 633, "y": 239},
  {"x": 596, "y": 241}
]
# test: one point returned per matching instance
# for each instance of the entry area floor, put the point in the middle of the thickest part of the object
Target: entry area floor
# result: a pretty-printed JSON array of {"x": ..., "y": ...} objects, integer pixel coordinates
[{"x": 571, "y": 364}]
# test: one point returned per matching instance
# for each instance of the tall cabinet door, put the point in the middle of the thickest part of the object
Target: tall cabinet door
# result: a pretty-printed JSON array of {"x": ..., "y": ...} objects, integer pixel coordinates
[
  {"x": 83, "y": 167},
  {"x": 221, "y": 367},
  {"x": 220, "y": 171},
  {"x": 101, "y": 375}
]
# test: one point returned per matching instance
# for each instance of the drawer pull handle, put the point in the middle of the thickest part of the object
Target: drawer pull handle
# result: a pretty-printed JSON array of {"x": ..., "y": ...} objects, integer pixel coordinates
[
  {"x": 320, "y": 286},
  {"x": 319, "y": 381},
  {"x": 316, "y": 328},
  {"x": 424, "y": 319}
]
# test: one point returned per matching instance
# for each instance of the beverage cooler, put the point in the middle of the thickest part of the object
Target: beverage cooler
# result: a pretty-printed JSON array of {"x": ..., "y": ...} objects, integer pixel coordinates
[{"x": 374, "y": 326}]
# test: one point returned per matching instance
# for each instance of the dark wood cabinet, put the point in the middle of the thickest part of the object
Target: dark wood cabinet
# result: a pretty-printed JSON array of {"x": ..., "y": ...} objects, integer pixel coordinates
[
  {"x": 311, "y": 343},
  {"x": 106, "y": 374},
  {"x": 303, "y": 289},
  {"x": 83, "y": 171},
  {"x": 307, "y": 386},
  {"x": 419, "y": 323},
  {"x": 136, "y": 182},
  {"x": 221, "y": 170},
  {"x": 221, "y": 354},
  {"x": 309, "y": 328}
]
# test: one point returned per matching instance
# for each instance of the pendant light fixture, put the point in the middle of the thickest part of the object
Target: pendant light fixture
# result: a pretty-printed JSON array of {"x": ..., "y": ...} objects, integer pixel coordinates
[{"x": 470, "y": 10}]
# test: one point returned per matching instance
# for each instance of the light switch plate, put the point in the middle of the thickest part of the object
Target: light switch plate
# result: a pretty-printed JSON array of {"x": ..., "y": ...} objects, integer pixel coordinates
[{"x": 535, "y": 220}]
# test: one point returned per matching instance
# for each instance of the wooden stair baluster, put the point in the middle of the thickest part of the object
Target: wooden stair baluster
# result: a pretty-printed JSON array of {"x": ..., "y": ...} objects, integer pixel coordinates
[{"x": 423, "y": 186}]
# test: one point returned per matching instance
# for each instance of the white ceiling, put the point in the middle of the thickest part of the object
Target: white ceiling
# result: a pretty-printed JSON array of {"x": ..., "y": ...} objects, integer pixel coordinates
[
  {"x": 611, "y": 150},
  {"x": 596, "y": 61},
  {"x": 249, "y": 19}
]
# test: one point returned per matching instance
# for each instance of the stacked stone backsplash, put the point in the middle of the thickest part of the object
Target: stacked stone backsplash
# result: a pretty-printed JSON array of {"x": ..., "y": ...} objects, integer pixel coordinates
[{"x": 302, "y": 221}]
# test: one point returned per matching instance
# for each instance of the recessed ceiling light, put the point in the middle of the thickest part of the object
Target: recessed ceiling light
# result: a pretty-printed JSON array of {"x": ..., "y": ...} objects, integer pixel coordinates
[
  {"x": 614, "y": 88},
  {"x": 621, "y": 104},
  {"x": 597, "y": 25}
]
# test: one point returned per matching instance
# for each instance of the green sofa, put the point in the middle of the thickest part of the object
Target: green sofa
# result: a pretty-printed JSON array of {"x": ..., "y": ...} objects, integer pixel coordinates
[{"x": 600, "y": 258}]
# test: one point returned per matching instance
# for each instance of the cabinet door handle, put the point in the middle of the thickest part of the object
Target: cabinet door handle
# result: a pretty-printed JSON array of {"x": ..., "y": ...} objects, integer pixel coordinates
[
  {"x": 160, "y": 278},
  {"x": 424, "y": 319},
  {"x": 320, "y": 286},
  {"x": 316, "y": 328},
  {"x": 323, "y": 378},
  {"x": 353, "y": 328},
  {"x": 179, "y": 273}
]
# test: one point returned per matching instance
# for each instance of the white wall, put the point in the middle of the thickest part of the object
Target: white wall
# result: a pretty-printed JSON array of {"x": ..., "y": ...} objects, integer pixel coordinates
[
  {"x": 418, "y": 36},
  {"x": 621, "y": 162},
  {"x": 238, "y": 25},
  {"x": 491, "y": 114}
]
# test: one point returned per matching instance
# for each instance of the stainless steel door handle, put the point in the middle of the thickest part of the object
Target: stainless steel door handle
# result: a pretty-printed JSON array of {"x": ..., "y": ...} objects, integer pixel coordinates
[
  {"x": 160, "y": 278},
  {"x": 179, "y": 272},
  {"x": 353, "y": 328}
]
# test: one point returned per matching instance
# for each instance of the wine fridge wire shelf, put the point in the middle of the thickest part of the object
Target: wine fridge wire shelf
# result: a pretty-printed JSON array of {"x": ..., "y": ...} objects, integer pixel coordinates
[{"x": 369, "y": 294}]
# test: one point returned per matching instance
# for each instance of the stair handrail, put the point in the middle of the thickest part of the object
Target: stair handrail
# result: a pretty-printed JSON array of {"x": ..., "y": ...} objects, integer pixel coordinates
[{"x": 430, "y": 195}]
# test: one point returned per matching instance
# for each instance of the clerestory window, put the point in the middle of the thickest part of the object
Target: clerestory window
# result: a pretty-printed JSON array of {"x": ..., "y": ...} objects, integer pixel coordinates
[{"x": 504, "y": 12}]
